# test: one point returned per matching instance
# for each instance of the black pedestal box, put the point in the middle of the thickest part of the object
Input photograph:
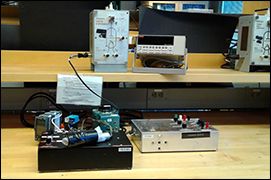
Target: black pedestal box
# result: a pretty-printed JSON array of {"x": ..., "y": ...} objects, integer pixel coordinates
[{"x": 116, "y": 153}]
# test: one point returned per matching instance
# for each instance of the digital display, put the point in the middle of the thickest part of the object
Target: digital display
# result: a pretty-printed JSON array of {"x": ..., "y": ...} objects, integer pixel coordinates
[{"x": 155, "y": 40}]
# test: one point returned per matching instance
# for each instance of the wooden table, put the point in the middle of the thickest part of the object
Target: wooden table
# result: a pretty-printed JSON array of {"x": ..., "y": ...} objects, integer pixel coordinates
[
  {"x": 43, "y": 66},
  {"x": 243, "y": 152}
]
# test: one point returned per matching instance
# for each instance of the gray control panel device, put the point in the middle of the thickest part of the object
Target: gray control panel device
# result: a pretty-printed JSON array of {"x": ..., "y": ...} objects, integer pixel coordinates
[
  {"x": 253, "y": 44},
  {"x": 109, "y": 40},
  {"x": 166, "y": 135}
]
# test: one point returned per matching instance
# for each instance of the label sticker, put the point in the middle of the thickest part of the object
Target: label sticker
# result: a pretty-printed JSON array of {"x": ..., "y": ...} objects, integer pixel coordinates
[
  {"x": 147, "y": 136},
  {"x": 195, "y": 135},
  {"x": 127, "y": 149}
]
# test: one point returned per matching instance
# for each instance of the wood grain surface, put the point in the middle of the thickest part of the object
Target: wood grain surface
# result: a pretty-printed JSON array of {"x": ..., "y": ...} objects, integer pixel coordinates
[
  {"x": 243, "y": 152},
  {"x": 43, "y": 66}
]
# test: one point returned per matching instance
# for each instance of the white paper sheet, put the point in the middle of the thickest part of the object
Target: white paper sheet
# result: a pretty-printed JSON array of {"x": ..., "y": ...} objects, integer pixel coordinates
[{"x": 70, "y": 90}]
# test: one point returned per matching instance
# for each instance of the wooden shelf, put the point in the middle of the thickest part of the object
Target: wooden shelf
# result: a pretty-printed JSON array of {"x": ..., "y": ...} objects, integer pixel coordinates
[
  {"x": 43, "y": 66},
  {"x": 10, "y": 15},
  {"x": 10, "y": 21}
]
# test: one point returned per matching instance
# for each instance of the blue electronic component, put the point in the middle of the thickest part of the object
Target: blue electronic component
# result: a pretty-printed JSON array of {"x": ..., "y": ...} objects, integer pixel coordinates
[
  {"x": 76, "y": 138},
  {"x": 82, "y": 137},
  {"x": 72, "y": 119}
]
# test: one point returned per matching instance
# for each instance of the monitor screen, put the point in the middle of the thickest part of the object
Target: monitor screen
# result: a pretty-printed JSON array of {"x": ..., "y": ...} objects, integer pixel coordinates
[{"x": 205, "y": 32}]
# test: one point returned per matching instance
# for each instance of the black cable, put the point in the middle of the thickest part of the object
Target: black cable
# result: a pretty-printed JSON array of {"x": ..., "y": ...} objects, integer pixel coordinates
[
  {"x": 124, "y": 129},
  {"x": 22, "y": 113},
  {"x": 59, "y": 106},
  {"x": 230, "y": 58},
  {"x": 152, "y": 61},
  {"x": 264, "y": 9},
  {"x": 86, "y": 55},
  {"x": 31, "y": 98}
]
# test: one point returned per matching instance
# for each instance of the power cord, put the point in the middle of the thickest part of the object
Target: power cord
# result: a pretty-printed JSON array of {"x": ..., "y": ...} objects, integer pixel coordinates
[
  {"x": 158, "y": 62},
  {"x": 30, "y": 99},
  {"x": 230, "y": 57},
  {"x": 85, "y": 55}
]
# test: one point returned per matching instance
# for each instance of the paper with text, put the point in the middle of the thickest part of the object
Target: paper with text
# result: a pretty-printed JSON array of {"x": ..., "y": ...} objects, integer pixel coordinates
[{"x": 70, "y": 90}]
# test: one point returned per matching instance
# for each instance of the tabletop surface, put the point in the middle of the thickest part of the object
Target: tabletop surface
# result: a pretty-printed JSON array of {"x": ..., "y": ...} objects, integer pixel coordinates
[
  {"x": 43, "y": 66},
  {"x": 243, "y": 152}
]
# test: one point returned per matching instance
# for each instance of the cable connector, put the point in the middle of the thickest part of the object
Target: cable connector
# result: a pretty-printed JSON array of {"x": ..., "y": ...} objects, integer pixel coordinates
[
  {"x": 83, "y": 55},
  {"x": 80, "y": 55}
]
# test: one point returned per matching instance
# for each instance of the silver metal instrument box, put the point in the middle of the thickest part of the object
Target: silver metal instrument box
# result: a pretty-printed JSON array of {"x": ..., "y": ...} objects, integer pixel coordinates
[
  {"x": 161, "y": 44},
  {"x": 165, "y": 135},
  {"x": 163, "y": 54}
]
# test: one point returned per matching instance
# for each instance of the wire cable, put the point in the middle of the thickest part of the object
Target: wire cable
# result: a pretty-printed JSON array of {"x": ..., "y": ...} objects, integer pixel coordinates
[
  {"x": 100, "y": 122},
  {"x": 52, "y": 121},
  {"x": 230, "y": 57},
  {"x": 79, "y": 55},
  {"x": 158, "y": 62},
  {"x": 30, "y": 99}
]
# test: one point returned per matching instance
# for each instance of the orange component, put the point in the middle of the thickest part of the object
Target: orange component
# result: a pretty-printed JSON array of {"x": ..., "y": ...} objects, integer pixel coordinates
[{"x": 61, "y": 126}]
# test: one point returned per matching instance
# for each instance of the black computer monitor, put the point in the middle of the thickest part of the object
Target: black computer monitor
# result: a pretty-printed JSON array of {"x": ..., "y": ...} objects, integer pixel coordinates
[
  {"x": 56, "y": 25},
  {"x": 205, "y": 32}
]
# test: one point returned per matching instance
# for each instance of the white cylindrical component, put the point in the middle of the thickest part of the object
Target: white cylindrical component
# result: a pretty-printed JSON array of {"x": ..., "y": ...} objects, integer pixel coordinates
[
  {"x": 180, "y": 117},
  {"x": 102, "y": 136}
]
